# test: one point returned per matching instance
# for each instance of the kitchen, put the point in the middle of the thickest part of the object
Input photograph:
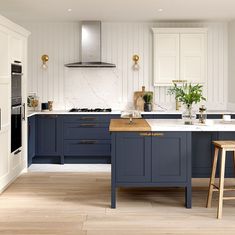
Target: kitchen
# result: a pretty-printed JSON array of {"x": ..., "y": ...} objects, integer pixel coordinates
[{"x": 86, "y": 77}]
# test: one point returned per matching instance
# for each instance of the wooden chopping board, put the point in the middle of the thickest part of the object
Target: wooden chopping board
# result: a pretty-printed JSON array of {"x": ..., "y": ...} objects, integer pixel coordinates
[{"x": 138, "y": 98}]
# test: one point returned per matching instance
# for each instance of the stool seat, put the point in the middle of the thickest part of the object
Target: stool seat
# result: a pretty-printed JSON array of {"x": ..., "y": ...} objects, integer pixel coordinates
[
  {"x": 224, "y": 146},
  {"x": 224, "y": 143}
]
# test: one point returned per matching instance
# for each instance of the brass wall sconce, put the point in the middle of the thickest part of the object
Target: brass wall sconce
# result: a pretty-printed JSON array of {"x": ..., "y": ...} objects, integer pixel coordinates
[
  {"x": 44, "y": 59},
  {"x": 136, "y": 66}
]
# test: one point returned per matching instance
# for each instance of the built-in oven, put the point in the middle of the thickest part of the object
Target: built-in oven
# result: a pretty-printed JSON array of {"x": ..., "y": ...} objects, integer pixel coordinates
[
  {"x": 16, "y": 81},
  {"x": 16, "y": 128},
  {"x": 17, "y": 109}
]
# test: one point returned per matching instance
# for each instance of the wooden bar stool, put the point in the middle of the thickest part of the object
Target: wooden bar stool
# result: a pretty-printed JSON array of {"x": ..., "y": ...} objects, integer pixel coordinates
[{"x": 224, "y": 146}]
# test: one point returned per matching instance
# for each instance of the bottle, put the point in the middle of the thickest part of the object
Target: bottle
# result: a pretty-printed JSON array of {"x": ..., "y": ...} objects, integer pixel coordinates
[{"x": 202, "y": 114}]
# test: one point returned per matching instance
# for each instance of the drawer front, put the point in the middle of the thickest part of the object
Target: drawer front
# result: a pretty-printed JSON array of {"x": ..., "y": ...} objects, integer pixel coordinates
[
  {"x": 87, "y": 148},
  {"x": 90, "y": 118},
  {"x": 86, "y": 131}
]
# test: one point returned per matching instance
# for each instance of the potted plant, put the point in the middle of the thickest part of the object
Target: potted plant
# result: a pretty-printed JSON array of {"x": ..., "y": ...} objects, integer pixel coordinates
[
  {"x": 148, "y": 102},
  {"x": 188, "y": 94}
]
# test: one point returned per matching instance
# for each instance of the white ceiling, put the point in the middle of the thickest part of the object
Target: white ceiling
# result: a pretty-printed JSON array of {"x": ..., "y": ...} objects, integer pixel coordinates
[{"x": 117, "y": 10}]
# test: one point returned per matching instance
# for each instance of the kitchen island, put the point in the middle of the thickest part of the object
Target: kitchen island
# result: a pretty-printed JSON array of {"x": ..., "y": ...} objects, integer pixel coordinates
[{"x": 161, "y": 153}]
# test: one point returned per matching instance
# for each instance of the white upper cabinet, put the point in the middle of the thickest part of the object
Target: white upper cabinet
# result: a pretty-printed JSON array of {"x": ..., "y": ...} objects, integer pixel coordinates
[
  {"x": 16, "y": 48},
  {"x": 4, "y": 52},
  {"x": 179, "y": 54},
  {"x": 166, "y": 63}
]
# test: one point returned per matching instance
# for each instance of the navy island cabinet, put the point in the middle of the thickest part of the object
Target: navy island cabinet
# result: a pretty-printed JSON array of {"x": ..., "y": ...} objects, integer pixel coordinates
[
  {"x": 133, "y": 157},
  {"x": 230, "y": 161},
  {"x": 48, "y": 139},
  {"x": 151, "y": 159},
  {"x": 169, "y": 157}
]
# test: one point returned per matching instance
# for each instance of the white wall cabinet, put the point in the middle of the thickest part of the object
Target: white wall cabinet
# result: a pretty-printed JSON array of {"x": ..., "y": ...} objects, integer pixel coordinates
[
  {"x": 179, "y": 54},
  {"x": 16, "y": 47},
  {"x": 13, "y": 46}
]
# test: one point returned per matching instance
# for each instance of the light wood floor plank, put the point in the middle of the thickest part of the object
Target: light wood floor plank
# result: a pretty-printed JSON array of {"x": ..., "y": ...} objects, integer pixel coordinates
[{"x": 79, "y": 203}]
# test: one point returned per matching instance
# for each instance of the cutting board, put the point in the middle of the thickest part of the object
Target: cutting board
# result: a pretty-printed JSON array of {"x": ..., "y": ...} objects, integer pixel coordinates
[{"x": 138, "y": 98}]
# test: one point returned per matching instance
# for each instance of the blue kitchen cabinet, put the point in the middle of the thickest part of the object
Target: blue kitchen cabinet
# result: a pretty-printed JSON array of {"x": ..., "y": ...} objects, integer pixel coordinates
[
  {"x": 230, "y": 164},
  {"x": 31, "y": 138},
  {"x": 151, "y": 159},
  {"x": 86, "y": 138},
  {"x": 49, "y": 139},
  {"x": 169, "y": 157},
  {"x": 133, "y": 157},
  {"x": 202, "y": 153}
]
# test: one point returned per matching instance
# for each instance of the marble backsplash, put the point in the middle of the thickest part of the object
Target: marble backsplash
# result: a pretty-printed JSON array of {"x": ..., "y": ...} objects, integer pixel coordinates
[{"x": 92, "y": 88}]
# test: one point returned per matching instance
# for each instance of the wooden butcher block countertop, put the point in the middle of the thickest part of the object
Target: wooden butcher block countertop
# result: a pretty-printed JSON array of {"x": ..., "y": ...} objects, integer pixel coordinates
[{"x": 123, "y": 125}]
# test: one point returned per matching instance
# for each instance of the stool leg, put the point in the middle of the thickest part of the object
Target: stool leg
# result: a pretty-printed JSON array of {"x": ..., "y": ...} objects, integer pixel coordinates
[
  {"x": 221, "y": 185},
  {"x": 212, "y": 179}
]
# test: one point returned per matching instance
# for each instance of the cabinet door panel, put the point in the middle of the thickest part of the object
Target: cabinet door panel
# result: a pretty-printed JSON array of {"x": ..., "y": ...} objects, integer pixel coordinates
[
  {"x": 202, "y": 153},
  {"x": 4, "y": 52},
  {"x": 133, "y": 158},
  {"x": 166, "y": 58},
  {"x": 169, "y": 160},
  {"x": 47, "y": 141},
  {"x": 193, "y": 57},
  {"x": 230, "y": 166},
  {"x": 16, "y": 48}
]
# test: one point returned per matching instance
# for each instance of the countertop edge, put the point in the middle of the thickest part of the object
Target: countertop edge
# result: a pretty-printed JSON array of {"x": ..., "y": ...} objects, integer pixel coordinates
[{"x": 118, "y": 112}]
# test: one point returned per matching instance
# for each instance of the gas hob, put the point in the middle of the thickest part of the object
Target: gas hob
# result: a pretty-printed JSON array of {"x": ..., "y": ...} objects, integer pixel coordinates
[{"x": 87, "y": 110}]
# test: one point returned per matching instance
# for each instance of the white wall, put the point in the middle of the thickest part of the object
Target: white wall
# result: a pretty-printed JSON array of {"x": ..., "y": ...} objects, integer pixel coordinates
[
  {"x": 114, "y": 87},
  {"x": 231, "y": 71}
]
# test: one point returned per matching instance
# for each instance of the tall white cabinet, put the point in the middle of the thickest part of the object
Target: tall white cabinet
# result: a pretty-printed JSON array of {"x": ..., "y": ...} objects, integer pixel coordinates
[
  {"x": 179, "y": 54},
  {"x": 13, "y": 46}
]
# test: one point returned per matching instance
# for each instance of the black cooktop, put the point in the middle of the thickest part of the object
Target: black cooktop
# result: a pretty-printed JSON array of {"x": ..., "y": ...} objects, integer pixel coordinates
[{"x": 98, "y": 110}]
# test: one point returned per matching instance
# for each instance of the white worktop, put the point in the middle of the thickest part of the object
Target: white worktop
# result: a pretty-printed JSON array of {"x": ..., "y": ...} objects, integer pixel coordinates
[
  {"x": 170, "y": 112},
  {"x": 178, "y": 125}
]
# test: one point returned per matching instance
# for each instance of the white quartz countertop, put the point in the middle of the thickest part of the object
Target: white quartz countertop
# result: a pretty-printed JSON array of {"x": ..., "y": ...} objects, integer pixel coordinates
[
  {"x": 178, "y": 125},
  {"x": 54, "y": 112},
  {"x": 60, "y": 112}
]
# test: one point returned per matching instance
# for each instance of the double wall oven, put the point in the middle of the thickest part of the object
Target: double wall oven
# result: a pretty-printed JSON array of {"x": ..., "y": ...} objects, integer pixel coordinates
[{"x": 17, "y": 109}]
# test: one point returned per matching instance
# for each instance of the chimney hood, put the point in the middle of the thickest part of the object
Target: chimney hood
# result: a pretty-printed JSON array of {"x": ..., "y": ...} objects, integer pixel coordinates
[{"x": 91, "y": 47}]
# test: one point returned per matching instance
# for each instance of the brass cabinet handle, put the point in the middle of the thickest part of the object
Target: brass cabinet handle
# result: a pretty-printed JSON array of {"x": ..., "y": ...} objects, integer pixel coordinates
[
  {"x": 151, "y": 134},
  {"x": 88, "y": 118},
  {"x": 145, "y": 134},
  {"x": 157, "y": 134},
  {"x": 88, "y": 124}
]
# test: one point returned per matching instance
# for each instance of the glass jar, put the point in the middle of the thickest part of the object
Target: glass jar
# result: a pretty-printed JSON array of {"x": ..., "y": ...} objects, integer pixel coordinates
[{"x": 189, "y": 116}]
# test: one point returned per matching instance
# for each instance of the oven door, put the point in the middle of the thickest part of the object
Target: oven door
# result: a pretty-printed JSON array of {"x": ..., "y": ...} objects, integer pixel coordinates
[
  {"x": 16, "y": 128},
  {"x": 16, "y": 80}
]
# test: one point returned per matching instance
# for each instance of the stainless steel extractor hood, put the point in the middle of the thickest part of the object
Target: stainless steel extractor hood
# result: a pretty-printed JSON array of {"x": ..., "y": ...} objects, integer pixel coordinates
[{"x": 91, "y": 47}]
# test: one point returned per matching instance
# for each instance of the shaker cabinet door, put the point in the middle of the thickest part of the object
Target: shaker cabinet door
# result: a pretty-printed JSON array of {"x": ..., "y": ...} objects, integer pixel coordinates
[
  {"x": 166, "y": 58},
  {"x": 16, "y": 48},
  {"x": 193, "y": 57},
  {"x": 169, "y": 157},
  {"x": 133, "y": 158},
  {"x": 47, "y": 137}
]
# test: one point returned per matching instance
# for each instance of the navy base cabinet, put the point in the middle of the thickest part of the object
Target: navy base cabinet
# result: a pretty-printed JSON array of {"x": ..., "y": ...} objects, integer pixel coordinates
[
  {"x": 151, "y": 159},
  {"x": 48, "y": 139}
]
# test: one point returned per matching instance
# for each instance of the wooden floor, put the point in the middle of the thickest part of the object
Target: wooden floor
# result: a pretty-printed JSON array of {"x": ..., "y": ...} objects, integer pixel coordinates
[{"x": 79, "y": 203}]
